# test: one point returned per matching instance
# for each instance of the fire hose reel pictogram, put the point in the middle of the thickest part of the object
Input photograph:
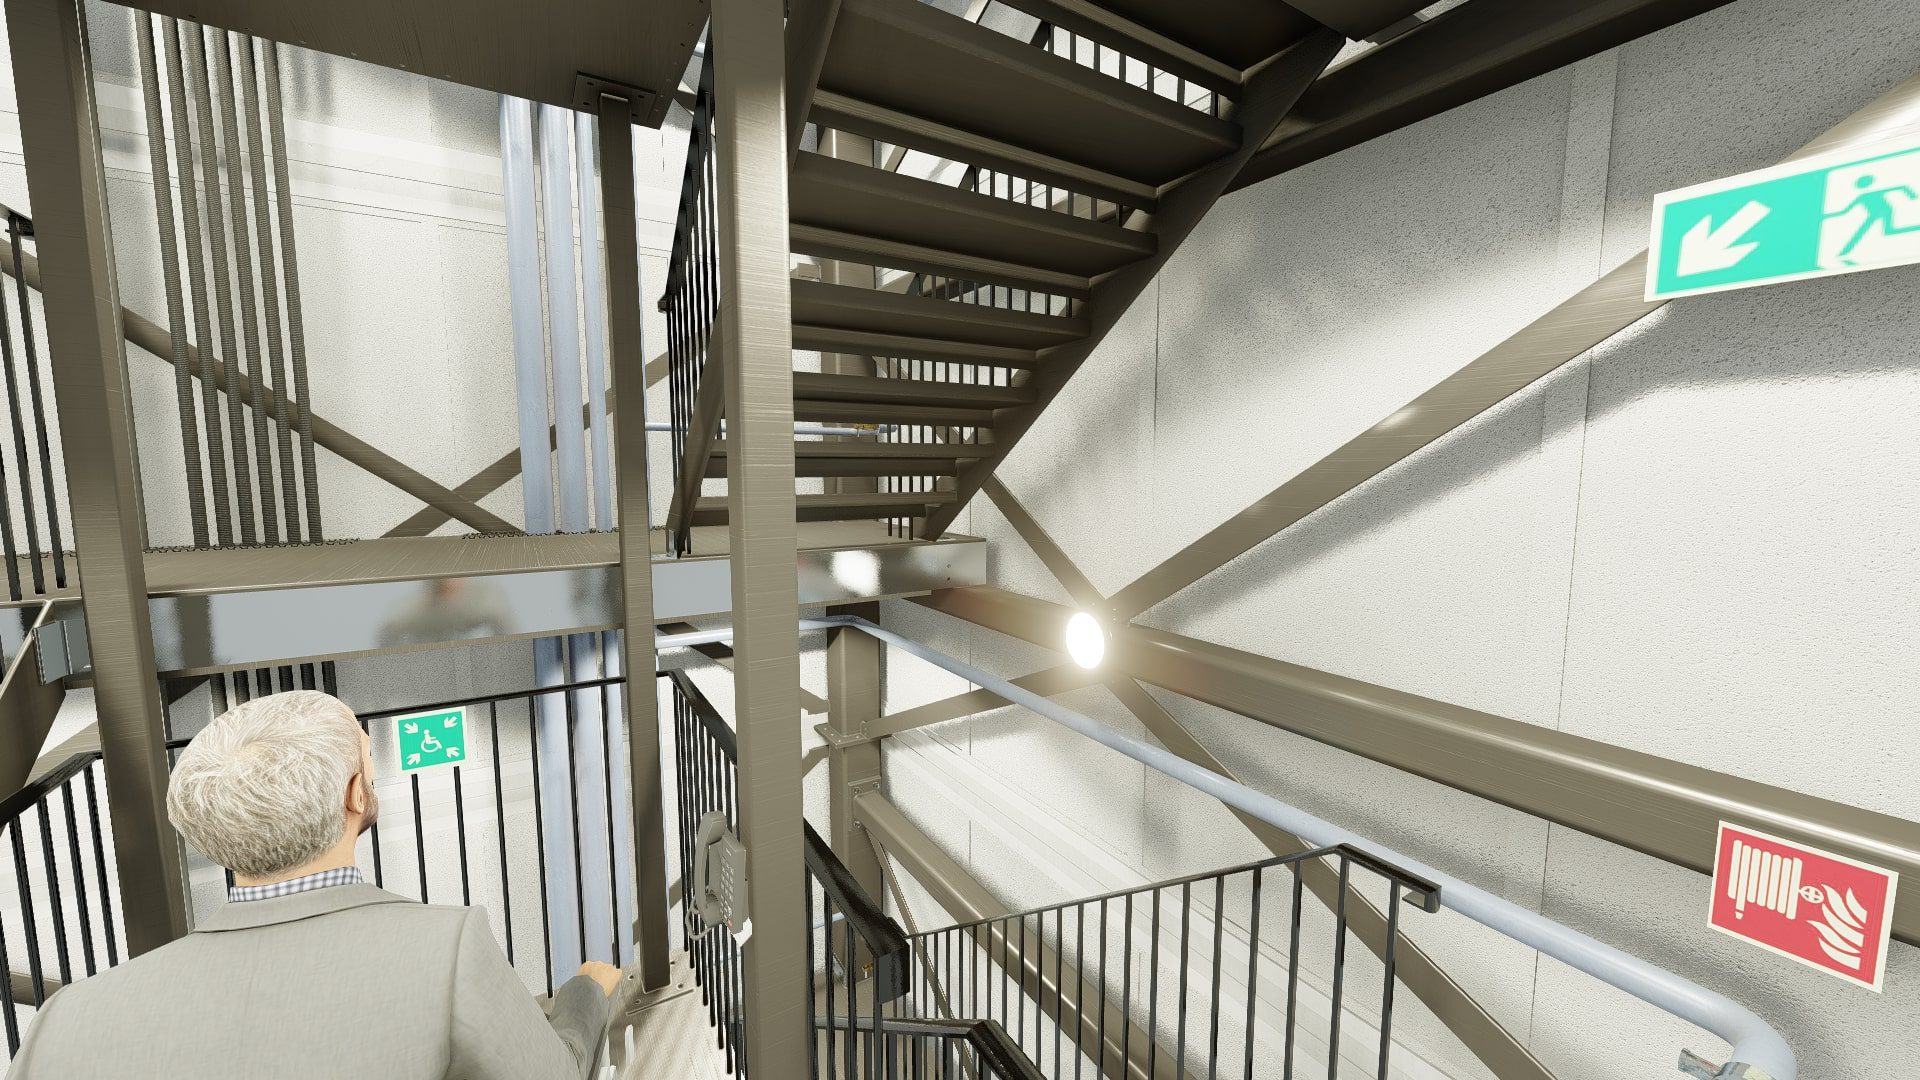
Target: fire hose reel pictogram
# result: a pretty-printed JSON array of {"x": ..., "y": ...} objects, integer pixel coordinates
[{"x": 1824, "y": 910}]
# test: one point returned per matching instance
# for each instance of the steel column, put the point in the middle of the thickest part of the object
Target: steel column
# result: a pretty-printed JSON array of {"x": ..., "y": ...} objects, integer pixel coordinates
[
  {"x": 853, "y": 756},
  {"x": 60, "y": 137},
  {"x": 628, "y": 363},
  {"x": 750, "y": 138}
]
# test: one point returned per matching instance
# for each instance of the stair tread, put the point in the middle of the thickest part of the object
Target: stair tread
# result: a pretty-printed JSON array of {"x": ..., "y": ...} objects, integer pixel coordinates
[
  {"x": 865, "y": 201},
  {"x": 863, "y": 343},
  {"x": 861, "y": 388},
  {"x": 911, "y": 57},
  {"x": 839, "y": 506},
  {"x": 840, "y": 449},
  {"x": 818, "y": 303}
]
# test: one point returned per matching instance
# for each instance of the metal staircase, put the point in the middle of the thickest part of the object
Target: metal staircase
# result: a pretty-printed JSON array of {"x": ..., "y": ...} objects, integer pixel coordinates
[{"x": 1015, "y": 179}]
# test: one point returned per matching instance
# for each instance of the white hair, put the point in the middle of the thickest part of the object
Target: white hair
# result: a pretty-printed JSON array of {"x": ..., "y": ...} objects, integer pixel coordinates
[{"x": 260, "y": 791}]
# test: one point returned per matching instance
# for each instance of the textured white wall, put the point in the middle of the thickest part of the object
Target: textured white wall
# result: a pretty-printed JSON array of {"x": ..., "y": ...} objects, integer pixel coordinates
[
  {"x": 398, "y": 217},
  {"x": 1698, "y": 540}
]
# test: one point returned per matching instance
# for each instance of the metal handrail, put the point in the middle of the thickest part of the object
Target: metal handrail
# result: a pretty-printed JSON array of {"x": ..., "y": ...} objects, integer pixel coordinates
[
  {"x": 1759, "y": 1052},
  {"x": 986, "y": 1038}
]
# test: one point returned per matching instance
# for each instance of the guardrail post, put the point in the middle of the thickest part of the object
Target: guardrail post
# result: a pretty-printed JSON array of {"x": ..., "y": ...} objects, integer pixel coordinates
[
  {"x": 756, "y": 334},
  {"x": 60, "y": 138}
]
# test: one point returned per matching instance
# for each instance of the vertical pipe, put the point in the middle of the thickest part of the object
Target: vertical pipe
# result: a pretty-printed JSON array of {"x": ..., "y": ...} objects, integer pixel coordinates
[
  {"x": 66, "y": 182},
  {"x": 204, "y": 75},
  {"x": 203, "y": 326},
  {"x": 290, "y": 272},
  {"x": 275, "y": 383},
  {"x": 248, "y": 358},
  {"x": 170, "y": 275},
  {"x": 593, "y": 308}
]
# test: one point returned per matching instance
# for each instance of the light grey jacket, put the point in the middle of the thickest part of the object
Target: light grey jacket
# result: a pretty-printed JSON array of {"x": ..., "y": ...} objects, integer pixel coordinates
[{"x": 349, "y": 982}]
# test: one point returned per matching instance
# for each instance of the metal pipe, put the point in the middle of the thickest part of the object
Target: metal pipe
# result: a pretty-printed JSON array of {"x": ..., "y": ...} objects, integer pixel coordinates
[{"x": 1755, "y": 1043}]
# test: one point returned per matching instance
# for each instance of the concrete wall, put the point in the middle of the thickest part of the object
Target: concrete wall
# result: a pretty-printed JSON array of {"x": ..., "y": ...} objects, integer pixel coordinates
[{"x": 1697, "y": 541}]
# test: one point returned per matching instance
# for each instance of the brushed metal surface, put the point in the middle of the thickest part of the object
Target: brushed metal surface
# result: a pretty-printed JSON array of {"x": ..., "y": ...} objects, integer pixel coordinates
[
  {"x": 748, "y": 54},
  {"x": 66, "y": 179},
  {"x": 532, "y": 51},
  {"x": 627, "y": 362},
  {"x": 199, "y": 631},
  {"x": 1659, "y": 807}
]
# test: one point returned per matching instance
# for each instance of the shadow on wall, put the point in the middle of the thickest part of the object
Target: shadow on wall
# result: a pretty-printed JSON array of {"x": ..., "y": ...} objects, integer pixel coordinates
[{"x": 1779, "y": 335}]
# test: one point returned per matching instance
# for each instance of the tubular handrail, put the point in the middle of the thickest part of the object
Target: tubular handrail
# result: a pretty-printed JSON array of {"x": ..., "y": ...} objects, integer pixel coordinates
[{"x": 1759, "y": 1052}]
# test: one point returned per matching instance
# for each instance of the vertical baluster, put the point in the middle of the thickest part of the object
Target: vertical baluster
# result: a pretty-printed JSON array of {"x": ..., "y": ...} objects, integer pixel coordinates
[
  {"x": 1186, "y": 926},
  {"x": 1153, "y": 989},
  {"x": 1213, "y": 1003},
  {"x": 1339, "y": 969},
  {"x": 1100, "y": 969},
  {"x": 1386, "y": 993},
  {"x": 813, "y": 1041},
  {"x": 79, "y": 876},
  {"x": 27, "y": 920},
  {"x": 419, "y": 838},
  {"x": 1059, "y": 987},
  {"x": 1253, "y": 970},
  {"x": 500, "y": 822},
  {"x": 7, "y": 1016},
  {"x": 100, "y": 867},
  {"x": 460, "y": 835},
  {"x": 540, "y": 845},
  {"x": 1126, "y": 985},
  {"x": 1080, "y": 989},
  {"x": 1293, "y": 970}
]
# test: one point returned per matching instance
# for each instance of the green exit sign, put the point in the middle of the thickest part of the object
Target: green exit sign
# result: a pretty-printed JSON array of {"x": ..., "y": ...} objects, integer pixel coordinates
[
  {"x": 1834, "y": 214},
  {"x": 430, "y": 739}
]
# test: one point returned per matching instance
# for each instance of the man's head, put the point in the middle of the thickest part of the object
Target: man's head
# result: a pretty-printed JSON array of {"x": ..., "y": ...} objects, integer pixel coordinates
[{"x": 274, "y": 784}]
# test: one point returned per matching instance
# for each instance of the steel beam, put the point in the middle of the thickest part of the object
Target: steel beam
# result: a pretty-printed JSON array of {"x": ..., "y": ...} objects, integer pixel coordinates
[
  {"x": 1269, "y": 96},
  {"x": 60, "y": 138},
  {"x": 854, "y": 678},
  {"x": 1577, "y": 324},
  {"x": 1663, "y": 808},
  {"x": 627, "y": 365},
  {"x": 1042, "y": 974},
  {"x": 750, "y": 145},
  {"x": 1462, "y": 54}
]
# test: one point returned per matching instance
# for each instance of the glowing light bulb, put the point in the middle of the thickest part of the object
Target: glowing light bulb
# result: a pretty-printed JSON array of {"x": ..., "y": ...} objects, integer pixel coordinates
[{"x": 1086, "y": 640}]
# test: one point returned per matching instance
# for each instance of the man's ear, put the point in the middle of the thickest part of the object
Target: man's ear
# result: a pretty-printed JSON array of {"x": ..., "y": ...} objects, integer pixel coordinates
[{"x": 357, "y": 794}]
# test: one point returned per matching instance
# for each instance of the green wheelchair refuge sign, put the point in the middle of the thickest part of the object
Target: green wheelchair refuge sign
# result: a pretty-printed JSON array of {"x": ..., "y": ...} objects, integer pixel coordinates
[
  {"x": 427, "y": 740},
  {"x": 1834, "y": 214}
]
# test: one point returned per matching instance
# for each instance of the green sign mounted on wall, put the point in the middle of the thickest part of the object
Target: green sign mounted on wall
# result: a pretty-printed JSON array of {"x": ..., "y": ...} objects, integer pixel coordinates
[
  {"x": 1833, "y": 214},
  {"x": 426, "y": 740}
]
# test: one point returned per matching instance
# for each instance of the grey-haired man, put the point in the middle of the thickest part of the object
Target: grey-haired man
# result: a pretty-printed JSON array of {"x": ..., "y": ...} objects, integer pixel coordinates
[{"x": 307, "y": 972}]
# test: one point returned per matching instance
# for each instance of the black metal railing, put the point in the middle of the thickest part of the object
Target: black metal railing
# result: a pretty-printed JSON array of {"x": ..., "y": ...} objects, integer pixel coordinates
[
  {"x": 860, "y": 961},
  {"x": 63, "y": 893},
  {"x": 912, "y": 1048},
  {"x": 29, "y": 495},
  {"x": 705, "y": 757},
  {"x": 59, "y": 922},
  {"x": 692, "y": 297},
  {"x": 1220, "y": 974}
]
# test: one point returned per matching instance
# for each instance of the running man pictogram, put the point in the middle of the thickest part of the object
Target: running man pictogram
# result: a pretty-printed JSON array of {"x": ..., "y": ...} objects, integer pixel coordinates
[{"x": 1880, "y": 208}]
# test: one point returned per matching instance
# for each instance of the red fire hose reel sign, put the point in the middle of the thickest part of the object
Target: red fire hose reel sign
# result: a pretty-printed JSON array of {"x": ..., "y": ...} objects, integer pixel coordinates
[{"x": 1825, "y": 910}]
